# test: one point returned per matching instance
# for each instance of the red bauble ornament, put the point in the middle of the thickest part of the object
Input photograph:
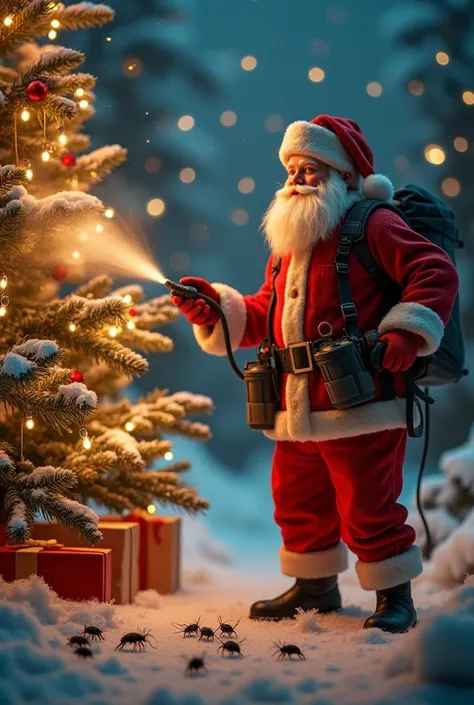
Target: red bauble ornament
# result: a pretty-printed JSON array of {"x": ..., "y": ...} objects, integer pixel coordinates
[
  {"x": 37, "y": 90},
  {"x": 132, "y": 312},
  {"x": 59, "y": 272},
  {"x": 68, "y": 159},
  {"x": 76, "y": 376}
]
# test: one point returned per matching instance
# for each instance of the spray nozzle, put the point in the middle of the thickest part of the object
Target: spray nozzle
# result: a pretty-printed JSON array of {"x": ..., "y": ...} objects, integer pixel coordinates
[{"x": 186, "y": 292}]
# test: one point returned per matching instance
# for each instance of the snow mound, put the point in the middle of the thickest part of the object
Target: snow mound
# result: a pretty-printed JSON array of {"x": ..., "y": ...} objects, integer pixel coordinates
[{"x": 149, "y": 599}]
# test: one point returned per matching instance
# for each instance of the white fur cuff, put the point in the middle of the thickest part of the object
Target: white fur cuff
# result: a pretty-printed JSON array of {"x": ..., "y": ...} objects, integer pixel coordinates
[
  {"x": 415, "y": 318},
  {"x": 381, "y": 575},
  {"x": 304, "y": 138},
  {"x": 314, "y": 564},
  {"x": 233, "y": 305}
]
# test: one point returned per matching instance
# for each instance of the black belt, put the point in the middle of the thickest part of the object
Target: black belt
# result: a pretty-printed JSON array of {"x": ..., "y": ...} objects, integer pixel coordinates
[{"x": 297, "y": 357}]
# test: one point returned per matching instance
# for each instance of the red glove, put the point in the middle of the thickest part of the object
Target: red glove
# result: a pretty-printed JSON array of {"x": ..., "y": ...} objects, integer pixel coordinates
[
  {"x": 402, "y": 349},
  {"x": 197, "y": 311}
]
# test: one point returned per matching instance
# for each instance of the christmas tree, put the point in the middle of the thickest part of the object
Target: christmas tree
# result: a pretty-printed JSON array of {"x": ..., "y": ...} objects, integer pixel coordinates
[{"x": 67, "y": 436}]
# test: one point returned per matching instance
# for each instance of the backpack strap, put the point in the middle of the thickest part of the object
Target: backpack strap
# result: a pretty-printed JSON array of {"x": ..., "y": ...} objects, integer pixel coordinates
[{"x": 276, "y": 264}]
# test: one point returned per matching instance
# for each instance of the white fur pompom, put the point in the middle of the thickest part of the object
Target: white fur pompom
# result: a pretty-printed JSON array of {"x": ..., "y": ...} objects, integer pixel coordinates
[{"x": 377, "y": 186}]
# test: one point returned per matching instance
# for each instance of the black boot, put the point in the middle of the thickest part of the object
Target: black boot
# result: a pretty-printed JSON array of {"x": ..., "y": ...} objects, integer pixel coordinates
[
  {"x": 395, "y": 611},
  {"x": 319, "y": 593}
]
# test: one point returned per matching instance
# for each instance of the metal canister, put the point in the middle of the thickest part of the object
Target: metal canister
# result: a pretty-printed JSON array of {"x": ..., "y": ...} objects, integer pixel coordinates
[{"x": 260, "y": 385}]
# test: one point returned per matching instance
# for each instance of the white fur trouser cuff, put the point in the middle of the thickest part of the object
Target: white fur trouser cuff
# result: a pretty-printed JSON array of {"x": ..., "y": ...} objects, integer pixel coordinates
[
  {"x": 381, "y": 575},
  {"x": 314, "y": 564}
]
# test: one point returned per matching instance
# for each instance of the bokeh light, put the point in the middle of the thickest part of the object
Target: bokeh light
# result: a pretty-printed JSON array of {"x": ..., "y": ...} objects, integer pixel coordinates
[
  {"x": 153, "y": 165},
  {"x": 434, "y": 154},
  {"x": 187, "y": 175},
  {"x": 316, "y": 74},
  {"x": 374, "y": 89},
  {"x": 416, "y": 87},
  {"x": 249, "y": 63},
  {"x": 228, "y": 118},
  {"x": 240, "y": 217},
  {"x": 246, "y": 185},
  {"x": 274, "y": 123},
  {"x": 461, "y": 144},
  {"x": 186, "y": 122},
  {"x": 451, "y": 187},
  {"x": 156, "y": 207}
]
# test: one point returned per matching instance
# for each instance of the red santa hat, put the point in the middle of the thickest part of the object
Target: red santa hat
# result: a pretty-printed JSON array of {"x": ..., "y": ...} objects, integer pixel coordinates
[{"x": 340, "y": 143}]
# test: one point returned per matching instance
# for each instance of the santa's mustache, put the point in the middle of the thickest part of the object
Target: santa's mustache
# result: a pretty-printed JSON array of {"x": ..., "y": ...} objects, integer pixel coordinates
[{"x": 303, "y": 189}]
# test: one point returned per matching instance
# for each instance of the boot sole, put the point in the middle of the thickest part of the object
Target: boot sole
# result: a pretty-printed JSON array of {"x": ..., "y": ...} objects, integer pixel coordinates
[{"x": 278, "y": 619}]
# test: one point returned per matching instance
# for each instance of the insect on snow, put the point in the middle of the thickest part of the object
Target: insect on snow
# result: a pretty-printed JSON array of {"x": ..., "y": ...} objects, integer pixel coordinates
[
  {"x": 207, "y": 633},
  {"x": 78, "y": 640},
  {"x": 232, "y": 647},
  {"x": 228, "y": 628},
  {"x": 136, "y": 639},
  {"x": 195, "y": 665},
  {"x": 93, "y": 632},
  {"x": 84, "y": 652},
  {"x": 287, "y": 650},
  {"x": 187, "y": 629}
]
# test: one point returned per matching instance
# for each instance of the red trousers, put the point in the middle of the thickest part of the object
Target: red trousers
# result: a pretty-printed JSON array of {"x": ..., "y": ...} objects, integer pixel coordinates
[{"x": 325, "y": 491}]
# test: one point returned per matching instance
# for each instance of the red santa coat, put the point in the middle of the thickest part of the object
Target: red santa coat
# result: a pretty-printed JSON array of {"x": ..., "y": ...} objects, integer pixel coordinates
[{"x": 307, "y": 294}]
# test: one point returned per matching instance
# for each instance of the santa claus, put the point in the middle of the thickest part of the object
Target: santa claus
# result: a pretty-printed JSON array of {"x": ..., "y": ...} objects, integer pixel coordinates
[{"x": 337, "y": 475}]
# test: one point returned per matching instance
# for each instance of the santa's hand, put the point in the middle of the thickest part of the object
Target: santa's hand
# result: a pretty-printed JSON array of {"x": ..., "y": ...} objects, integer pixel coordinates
[
  {"x": 402, "y": 350},
  {"x": 197, "y": 311}
]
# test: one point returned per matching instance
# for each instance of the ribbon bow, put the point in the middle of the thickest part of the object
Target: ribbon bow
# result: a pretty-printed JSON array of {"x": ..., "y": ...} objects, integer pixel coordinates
[{"x": 41, "y": 543}]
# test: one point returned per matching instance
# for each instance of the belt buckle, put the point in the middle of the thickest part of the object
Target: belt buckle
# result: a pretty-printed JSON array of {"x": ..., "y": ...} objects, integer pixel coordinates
[{"x": 300, "y": 370}]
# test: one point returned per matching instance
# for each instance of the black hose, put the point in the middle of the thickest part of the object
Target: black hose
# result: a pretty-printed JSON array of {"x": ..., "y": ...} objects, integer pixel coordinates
[
  {"x": 429, "y": 543},
  {"x": 189, "y": 292}
]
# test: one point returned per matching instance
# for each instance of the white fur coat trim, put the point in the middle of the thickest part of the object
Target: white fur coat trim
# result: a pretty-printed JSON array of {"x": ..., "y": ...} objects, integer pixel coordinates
[
  {"x": 304, "y": 138},
  {"x": 333, "y": 424},
  {"x": 415, "y": 318},
  {"x": 314, "y": 564},
  {"x": 381, "y": 575},
  {"x": 233, "y": 304}
]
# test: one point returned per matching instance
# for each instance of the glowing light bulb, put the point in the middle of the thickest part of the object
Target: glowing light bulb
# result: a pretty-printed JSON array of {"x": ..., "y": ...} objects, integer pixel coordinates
[
  {"x": 434, "y": 154},
  {"x": 151, "y": 509},
  {"x": 83, "y": 104},
  {"x": 45, "y": 156},
  {"x": 55, "y": 24},
  {"x": 127, "y": 299},
  {"x": 130, "y": 325},
  {"x": 99, "y": 228},
  {"x": 129, "y": 426},
  {"x": 3, "y": 311},
  {"x": 62, "y": 139},
  {"x": 76, "y": 254},
  {"x": 4, "y": 282},
  {"x": 80, "y": 92},
  {"x": 52, "y": 34},
  {"x": 72, "y": 327},
  {"x": 87, "y": 443},
  {"x": 25, "y": 115},
  {"x": 109, "y": 213},
  {"x": 168, "y": 455},
  {"x": 8, "y": 21},
  {"x": 29, "y": 423},
  {"x": 83, "y": 237},
  {"x": 29, "y": 174},
  {"x": 113, "y": 331}
]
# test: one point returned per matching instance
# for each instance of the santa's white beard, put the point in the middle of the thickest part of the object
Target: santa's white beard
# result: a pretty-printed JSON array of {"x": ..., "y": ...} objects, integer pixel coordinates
[{"x": 295, "y": 222}]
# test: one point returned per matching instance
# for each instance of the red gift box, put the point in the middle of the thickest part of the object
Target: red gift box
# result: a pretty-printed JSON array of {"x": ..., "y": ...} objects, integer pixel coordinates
[
  {"x": 73, "y": 573},
  {"x": 160, "y": 547}
]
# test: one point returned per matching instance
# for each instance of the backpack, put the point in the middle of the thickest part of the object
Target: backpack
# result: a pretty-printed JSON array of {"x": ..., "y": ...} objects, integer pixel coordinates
[{"x": 433, "y": 219}]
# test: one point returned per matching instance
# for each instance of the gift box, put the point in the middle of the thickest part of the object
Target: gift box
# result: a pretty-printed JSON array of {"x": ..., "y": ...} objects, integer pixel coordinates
[
  {"x": 73, "y": 573},
  {"x": 160, "y": 550},
  {"x": 122, "y": 538}
]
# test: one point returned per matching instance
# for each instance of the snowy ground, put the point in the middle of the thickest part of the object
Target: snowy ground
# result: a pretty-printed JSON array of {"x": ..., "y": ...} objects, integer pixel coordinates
[{"x": 344, "y": 664}]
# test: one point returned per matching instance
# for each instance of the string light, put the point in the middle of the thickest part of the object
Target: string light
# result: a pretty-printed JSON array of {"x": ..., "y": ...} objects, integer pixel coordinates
[
  {"x": 113, "y": 331},
  {"x": 86, "y": 441},
  {"x": 4, "y": 282},
  {"x": 29, "y": 423},
  {"x": 129, "y": 426},
  {"x": 130, "y": 325},
  {"x": 29, "y": 174},
  {"x": 83, "y": 104},
  {"x": 151, "y": 509},
  {"x": 127, "y": 299},
  {"x": 168, "y": 455},
  {"x": 79, "y": 92},
  {"x": 45, "y": 156},
  {"x": 434, "y": 154},
  {"x": 99, "y": 228},
  {"x": 76, "y": 254},
  {"x": 8, "y": 21},
  {"x": 72, "y": 327},
  {"x": 109, "y": 213},
  {"x": 25, "y": 115},
  {"x": 3, "y": 311},
  {"x": 52, "y": 34},
  {"x": 55, "y": 24},
  {"x": 62, "y": 139}
]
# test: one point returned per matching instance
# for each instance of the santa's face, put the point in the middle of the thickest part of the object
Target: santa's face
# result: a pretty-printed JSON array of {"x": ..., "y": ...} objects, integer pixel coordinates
[{"x": 307, "y": 209}]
